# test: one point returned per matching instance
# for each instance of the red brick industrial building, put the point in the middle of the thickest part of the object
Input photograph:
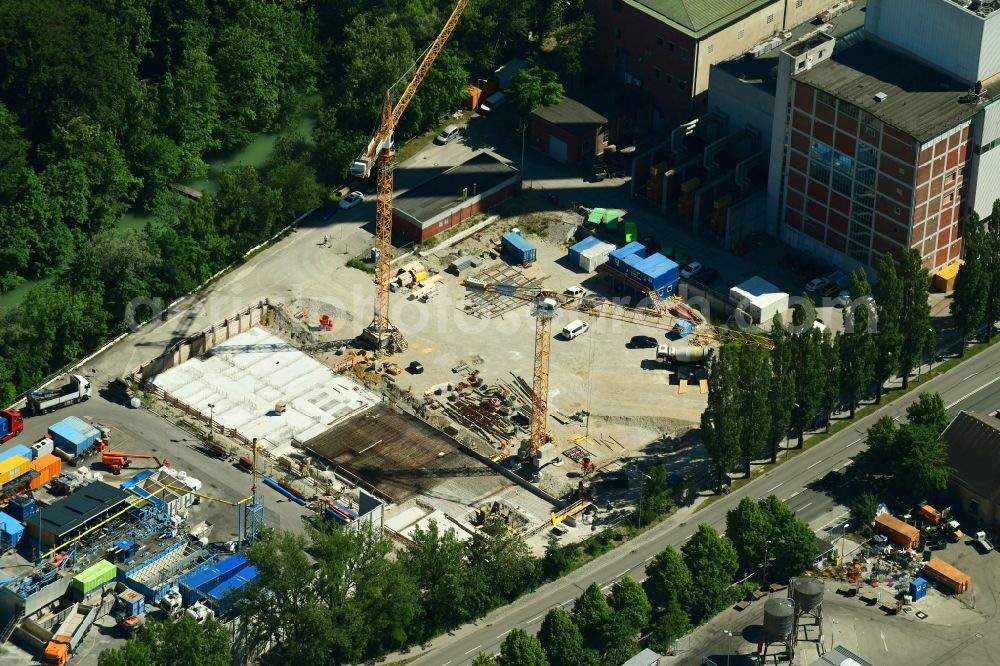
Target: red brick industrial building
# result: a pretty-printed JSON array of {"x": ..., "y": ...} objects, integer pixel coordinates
[
  {"x": 453, "y": 196},
  {"x": 878, "y": 158}
]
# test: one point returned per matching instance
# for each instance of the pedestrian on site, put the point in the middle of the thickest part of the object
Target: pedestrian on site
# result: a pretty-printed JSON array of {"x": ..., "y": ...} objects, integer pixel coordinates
[{"x": 326, "y": 240}]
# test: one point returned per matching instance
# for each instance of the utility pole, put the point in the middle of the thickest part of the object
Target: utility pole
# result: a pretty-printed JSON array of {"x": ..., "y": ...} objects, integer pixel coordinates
[
  {"x": 211, "y": 422},
  {"x": 763, "y": 582},
  {"x": 843, "y": 537}
]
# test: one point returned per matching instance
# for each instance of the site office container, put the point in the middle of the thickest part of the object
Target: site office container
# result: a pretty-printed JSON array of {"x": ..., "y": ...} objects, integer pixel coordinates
[
  {"x": 48, "y": 467},
  {"x": 74, "y": 435},
  {"x": 11, "y": 531},
  {"x": 16, "y": 450}
]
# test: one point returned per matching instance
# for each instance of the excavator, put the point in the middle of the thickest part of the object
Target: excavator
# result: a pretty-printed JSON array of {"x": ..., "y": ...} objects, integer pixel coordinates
[{"x": 116, "y": 461}]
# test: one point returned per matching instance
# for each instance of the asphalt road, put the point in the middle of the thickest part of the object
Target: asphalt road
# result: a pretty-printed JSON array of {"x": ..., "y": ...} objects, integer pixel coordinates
[{"x": 974, "y": 384}]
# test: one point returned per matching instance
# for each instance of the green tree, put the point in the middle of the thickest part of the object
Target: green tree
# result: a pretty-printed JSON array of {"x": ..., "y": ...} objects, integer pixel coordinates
[
  {"x": 445, "y": 89},
  {"x": 749, "y": 529},
  {"x": 721, "y": 422},
  {"x": 792, "y": 547},
  {"x": 922, "y": 469},
  {"x": 336, "y": 147},
  {"x": 568, "y": 31},
  {"x": 972, "y": 286},
  {"x": 562, "y": 641},
  {"x": 668, "y": 626},
  {"x": 915, "y": 320},
  {"x": 534, "y": 87},
  {"x": 810, "y": 375},
  {"x": 928, "y": 410},
  {"x": 437, "y": 562},
  {"x": 629, "y": 604},
  {"x": 521, "y": 649},
  {"x": 889, "y": 338},
  {"x": 175, "y": 641},
  {"x": 991, "y": 312},
  {"x": 857, "y": 345},
  {"x": 830, "y": 391},
  {"x": 591, "y": 613},
  {"x": 557, "y": 559},
  {"x": 7, "y": 389},
  {"x": 190, "y": 106},
  {"x": 754, "y": 380},
  {"x": 501, "y": 567},
  {"x": 863, "y": 510},
  {"x": 713, "y": 564},
  {"x": 881, "y": 440},
  {"x": 669, "y": 577},
  {"x": 782, "y": 390},
  {"x": 483, "y": 659}
]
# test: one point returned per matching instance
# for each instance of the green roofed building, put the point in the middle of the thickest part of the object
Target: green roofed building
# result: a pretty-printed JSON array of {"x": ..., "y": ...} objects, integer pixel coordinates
[{"x": 666, "y": 47}]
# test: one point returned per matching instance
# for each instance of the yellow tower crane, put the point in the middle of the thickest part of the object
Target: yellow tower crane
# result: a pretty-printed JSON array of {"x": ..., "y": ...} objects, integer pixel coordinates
[
  {"x": 380, "y": 154},
  {"x": 545, "y": 305}
]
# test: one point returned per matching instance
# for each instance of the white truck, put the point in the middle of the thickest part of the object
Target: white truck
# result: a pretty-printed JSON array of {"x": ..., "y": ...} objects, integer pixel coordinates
[{"x": 77, "y": 390}]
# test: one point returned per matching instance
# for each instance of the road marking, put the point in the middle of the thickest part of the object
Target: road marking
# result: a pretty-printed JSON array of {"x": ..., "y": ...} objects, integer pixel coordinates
[
  {"x": 814, "y": 464},
  {"x": 474, "y": 649},
  {"x": 805, "y": 506},
  {"x": 854, "y": 442},
  {"x": 971, "y": 393},
  {"x": 970, "y": 376},
  {"x": 884, "y": 644},
  {"x": 776, "y": 487},
  {"x": 535, "y": 618},
  {"x": 793, "y": 495},
  {"x": 446, "y": 663},
  {"x": 624, "y": 573},
  {"x": 649, "y": 558},
  {"x": 565, "y": 602},
  {"x": 505, "y": 633}
]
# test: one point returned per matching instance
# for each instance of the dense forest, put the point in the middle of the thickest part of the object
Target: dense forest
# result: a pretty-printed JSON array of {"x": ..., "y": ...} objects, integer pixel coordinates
[{"x": 105, "y": 102}]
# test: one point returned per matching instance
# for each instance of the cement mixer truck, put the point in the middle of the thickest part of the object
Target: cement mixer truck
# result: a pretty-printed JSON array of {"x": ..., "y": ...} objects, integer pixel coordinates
[{"x": 667, "y": 354}]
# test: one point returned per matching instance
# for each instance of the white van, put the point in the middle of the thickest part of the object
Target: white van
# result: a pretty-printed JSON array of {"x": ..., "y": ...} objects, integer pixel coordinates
[
  {"x": 575, "y": 329},
  {"x": 492, "y": 102},
  {"x": 576, "y": 291},
  {"x": 446, "y": 135}
]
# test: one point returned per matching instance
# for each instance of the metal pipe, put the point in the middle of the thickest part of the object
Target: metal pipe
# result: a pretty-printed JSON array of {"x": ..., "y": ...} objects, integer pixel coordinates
[{"x": 107, "y": 520}]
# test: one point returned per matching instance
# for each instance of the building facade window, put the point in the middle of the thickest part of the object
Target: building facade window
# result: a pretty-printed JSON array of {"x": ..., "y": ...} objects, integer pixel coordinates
[
  {"x": 670, "y": 46},
  {"x": 770, "y": 18},
  {"x": 684, "y": 53},
  {"x": 656, "y": 72},
  {"x": 741, "y": 34},
  {"x": 798, "y": 4},
  {"x": 659, "y": 40}
]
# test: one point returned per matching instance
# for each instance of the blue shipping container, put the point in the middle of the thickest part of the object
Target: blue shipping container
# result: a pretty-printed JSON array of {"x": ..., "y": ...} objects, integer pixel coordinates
[
  {"x": 11, "y": 531},
  {"x": 20, "y": 508},
  {"x": 4, "y": 426},
  {"x": 74, "y": 435},
  {"x": 16, "y": 450},
  {"x": 516, "y": 249}
]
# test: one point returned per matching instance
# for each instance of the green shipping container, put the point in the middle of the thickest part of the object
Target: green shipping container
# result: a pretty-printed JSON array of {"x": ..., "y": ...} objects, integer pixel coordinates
[
  {"x": 94, "y": 577},
  {"x": 630, "y": 232},
  {"x": 597, "y": 216}
]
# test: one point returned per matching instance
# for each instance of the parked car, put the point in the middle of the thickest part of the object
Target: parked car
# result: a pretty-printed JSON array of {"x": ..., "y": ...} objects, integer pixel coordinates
[
  {"x": 446, "y": 135},
  {"x": 352, "y": 200},
  {"x": 576, "y": 291},
  {"x": 691, "y": 270},
  {"x": 708, "y": 275},
  {"x": 641, "y": 342},
  {"x": 817, "y": 284},
  {"x": 575, "y": 329}
]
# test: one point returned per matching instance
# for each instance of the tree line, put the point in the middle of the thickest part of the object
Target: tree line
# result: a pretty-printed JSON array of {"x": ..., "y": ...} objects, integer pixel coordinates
[
  {"x": 976, "y": 301},
  {"x": 757, "y": 398},
  {"x": 104, "y": 103}
]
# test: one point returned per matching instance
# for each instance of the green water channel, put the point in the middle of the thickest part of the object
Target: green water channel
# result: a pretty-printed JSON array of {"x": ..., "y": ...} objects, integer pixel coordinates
[{"x": 255, "y": 154}]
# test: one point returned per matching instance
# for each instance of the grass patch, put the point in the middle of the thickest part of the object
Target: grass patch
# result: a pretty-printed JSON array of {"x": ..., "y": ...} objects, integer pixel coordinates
[
  {"x": 887, "y": 398},
  {"x": 361, "y": 265},
  {"x": 418, "y": 143}
]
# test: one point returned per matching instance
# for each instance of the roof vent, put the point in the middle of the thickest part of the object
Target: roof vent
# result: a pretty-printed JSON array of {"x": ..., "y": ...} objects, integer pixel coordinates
[{"x": 881, "y": 97}]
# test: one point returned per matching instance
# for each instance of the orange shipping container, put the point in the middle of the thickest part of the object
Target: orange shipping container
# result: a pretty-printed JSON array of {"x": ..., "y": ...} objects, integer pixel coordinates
[
  {"x": 947, "y": 574},
  {"x": 48, "y": 468},
  {"x": 904, "y": 534},
  {"x": 929, "y": 513}
]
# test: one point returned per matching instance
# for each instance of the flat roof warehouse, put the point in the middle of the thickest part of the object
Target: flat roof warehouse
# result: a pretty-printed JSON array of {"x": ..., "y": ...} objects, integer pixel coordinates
[
  {"x": 477, "y": 176},
  {"x": 62, "y": 519}
]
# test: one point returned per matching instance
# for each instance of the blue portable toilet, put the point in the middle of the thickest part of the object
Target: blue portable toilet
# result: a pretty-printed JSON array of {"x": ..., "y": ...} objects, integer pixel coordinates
[{"x": 918, "y": 588}]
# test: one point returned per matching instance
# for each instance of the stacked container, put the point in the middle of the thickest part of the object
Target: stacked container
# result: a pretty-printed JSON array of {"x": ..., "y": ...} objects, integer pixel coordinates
[
  {"x": 16, "y": 450},
  {"x": 21, "y": 507}
]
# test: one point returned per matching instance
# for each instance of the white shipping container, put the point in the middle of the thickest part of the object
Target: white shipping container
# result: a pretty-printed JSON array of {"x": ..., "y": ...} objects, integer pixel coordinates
[{"x": 595, "y": 256}]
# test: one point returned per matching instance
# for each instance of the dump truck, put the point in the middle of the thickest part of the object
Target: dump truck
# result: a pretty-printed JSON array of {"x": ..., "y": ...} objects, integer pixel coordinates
[
  {"x": 666, "y": 354},
  {"x": 77, "y": 390},
  {"x": 67, "y": 637},
  {"x": 11, "y": 424}
]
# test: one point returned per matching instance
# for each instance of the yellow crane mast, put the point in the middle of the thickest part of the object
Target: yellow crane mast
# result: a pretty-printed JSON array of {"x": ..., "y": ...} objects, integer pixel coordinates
[
  {"x": 380, "y": 154},
  {"x": 545, "y": 305}
]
